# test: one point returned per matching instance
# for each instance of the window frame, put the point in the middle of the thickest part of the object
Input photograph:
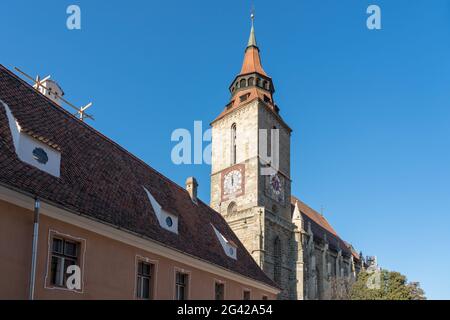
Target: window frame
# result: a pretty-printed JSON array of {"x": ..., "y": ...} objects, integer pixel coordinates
[
  {"x": 140, "y": 277},
  {"x": 187, "y": 285},
  {"x": 80, "y": 258},
  {"x": 58, "y": 278},
  {"x": 154, "y": 286},
  {"x": 244, "y": 292},
  {"x": 233, "y": 144},
  {"x": 221, "y": 283},
  {"x": 277, "y": 260}
]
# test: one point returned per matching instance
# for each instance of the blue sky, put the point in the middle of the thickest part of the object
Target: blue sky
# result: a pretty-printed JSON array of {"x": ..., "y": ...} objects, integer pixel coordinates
[{"x": 370, "y": 110}]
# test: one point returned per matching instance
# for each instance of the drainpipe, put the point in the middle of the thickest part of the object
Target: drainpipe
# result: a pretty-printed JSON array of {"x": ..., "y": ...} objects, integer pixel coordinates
[{"x": 37, "y": 205}]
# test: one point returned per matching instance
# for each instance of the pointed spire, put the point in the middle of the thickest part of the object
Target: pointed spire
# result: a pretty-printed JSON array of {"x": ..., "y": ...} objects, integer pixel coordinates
[
  {"x": 252, "y": 60},
  {"x": 252, "y": 39}
]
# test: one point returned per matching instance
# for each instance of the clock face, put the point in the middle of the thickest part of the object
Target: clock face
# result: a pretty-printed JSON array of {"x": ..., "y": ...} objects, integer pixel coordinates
[
  {"x": 232, "y": 182},
  {"x": 275, "y": 188},
  {"x": 275, "y": 184}
]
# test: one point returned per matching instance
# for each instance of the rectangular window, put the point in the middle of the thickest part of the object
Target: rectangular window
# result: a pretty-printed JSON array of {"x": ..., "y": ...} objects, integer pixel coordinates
[
  {"x": 220, "y": 291},
  {"x": 244, "y": 97},
  {"x": 144, "y": 281},
  {"x": 181, "y": 286},
  {"x": 265, "y": 298},
  {"x": 65, "y": 253},
  {"x": 246, "y": 295}
]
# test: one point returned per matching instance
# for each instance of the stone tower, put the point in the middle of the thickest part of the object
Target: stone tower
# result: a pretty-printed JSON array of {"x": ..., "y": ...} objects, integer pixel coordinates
[{"x": 250, "y": 180}]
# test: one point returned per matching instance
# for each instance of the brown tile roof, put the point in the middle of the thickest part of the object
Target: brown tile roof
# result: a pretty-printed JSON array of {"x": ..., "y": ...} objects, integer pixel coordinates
[
  {"x": 252, "y": 62},
  {"x": 252, "y": 94},
  {"x": 102, "y": 180},
  {"x": 320, "y": 226}
]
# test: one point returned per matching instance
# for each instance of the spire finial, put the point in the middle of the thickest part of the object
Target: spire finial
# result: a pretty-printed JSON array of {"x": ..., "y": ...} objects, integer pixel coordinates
[
  {"x": 252, "y": 39},
  {"x": 252, "y": 15}
]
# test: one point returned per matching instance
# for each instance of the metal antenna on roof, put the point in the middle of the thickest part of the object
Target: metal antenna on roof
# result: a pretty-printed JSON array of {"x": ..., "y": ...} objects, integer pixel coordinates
[{"x": 40, "y": 83}]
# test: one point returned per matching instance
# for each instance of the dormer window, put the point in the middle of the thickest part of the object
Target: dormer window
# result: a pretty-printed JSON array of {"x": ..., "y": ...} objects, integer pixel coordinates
[
  {"x": 229, "y": 247},
  {"x": 166, "y": 220},
  {"x": 31, "y": 149}
]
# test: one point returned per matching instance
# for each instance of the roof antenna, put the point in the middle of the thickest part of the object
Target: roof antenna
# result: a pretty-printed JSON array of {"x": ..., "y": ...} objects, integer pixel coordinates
[{"x": 40, "y": 85}]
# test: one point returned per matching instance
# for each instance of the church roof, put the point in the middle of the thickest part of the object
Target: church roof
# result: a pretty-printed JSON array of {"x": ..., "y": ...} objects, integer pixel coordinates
[
  {"x": 101, "y": 180},
  {"x": 320, "y": 227},
  {"x": 252, "y": 60},
  {"x": 263, "y": 91}
]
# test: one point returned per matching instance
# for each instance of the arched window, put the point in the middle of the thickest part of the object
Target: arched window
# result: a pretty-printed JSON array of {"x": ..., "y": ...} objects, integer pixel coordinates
[
  {"x": 233, "y": 144},
  {"x": 251, "y": 81},
  {"x": 232, "y": 208},
  {"x": 266, "y": 85},
  {"x": 269, "y": 141},
  {"x": 277, "y": 260},
  {"x": 243, "y": 83},
  {"x": 316, "y": 283},
  {"x": 258, "y": 82}
]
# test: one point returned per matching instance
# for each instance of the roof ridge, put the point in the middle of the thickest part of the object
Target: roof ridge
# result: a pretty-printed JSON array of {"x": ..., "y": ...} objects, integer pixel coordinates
[
  {"x": 322, "y": 217},
  {"x": 95, "y": 131}
]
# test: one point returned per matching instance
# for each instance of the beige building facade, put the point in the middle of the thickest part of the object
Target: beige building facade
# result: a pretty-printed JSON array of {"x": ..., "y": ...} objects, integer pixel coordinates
[{"x": 82, "y": 218}]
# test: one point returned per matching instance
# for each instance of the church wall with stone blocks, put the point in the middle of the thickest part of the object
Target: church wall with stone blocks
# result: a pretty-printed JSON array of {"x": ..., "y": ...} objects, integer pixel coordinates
[{"x": 292, "y": 243}]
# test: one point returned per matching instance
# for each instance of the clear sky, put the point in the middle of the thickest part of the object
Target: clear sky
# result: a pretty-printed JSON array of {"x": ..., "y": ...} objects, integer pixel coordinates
[{"x": 370, "y": 110}]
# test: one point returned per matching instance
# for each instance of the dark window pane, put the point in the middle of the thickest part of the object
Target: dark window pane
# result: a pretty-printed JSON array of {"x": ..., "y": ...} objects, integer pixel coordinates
[
  {"x": 181, "y": 295},
  {"x": 146, "y": 288},
  {"x": 57, "y": 276},
  {"x": 70, "y": 249},
  {"x": 54, "y": 268},
  {"x": 57, "y": 246},
  {"x": 146, "y": 269},
  {"x": 139, "y": 287},
  {"x": 220, "y": 291}
]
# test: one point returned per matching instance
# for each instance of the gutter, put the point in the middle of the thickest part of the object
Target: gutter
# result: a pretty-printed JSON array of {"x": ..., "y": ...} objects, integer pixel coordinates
[{"x": 37, "y": 205}]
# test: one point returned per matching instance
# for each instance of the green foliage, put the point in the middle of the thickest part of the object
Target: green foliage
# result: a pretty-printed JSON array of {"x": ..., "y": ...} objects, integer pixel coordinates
[{"x": 385, "y": 285}]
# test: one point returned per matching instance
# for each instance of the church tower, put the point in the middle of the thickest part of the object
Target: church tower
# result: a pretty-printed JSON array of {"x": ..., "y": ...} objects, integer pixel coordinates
[{"x": 250, "y": 180}]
